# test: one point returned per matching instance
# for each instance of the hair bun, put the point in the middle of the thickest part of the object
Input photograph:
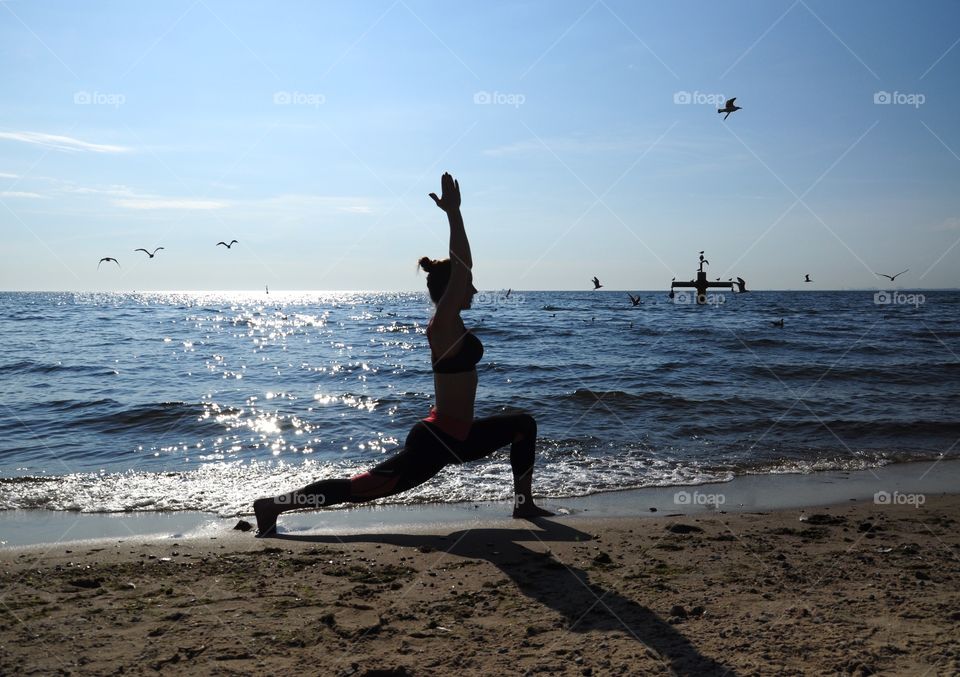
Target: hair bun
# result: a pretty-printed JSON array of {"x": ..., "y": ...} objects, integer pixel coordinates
[{"x": 426, "y": 263}]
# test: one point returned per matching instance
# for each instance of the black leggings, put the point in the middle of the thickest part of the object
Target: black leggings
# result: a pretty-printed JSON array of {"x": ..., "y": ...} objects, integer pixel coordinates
[{"x": 426, "y": 451}]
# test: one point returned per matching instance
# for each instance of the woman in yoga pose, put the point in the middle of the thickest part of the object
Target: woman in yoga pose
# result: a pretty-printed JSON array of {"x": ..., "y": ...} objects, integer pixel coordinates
[{"x": 449, "y": 434}]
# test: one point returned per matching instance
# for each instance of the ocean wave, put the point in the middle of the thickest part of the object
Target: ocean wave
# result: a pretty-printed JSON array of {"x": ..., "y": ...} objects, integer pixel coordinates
[
  {"x": 880, "y": 373},
  {"x": 34, "y": 367},
  {"x": 486, "y": 330},
  {"x": 934, "y": 335},
  {"x": 856, "y": 431},
  {"x": 657, "y": 398},
  {"x": 149, "y": 417},
  {"x": 847, "y": 462},
  {"x": 26, "y": 317}
]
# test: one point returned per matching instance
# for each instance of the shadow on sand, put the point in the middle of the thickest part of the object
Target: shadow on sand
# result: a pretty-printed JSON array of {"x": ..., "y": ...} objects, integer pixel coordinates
[{"x": 586, "y": 606}]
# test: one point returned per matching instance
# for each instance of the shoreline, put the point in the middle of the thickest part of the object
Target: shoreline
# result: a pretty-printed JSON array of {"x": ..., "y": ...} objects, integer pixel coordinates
[
  {"x": 856, "y": 589},
  {"x": 744, "y": 493}
]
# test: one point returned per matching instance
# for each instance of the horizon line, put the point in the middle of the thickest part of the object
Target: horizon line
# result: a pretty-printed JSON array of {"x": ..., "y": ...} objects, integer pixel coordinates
[{"x": 424, "y": 291}]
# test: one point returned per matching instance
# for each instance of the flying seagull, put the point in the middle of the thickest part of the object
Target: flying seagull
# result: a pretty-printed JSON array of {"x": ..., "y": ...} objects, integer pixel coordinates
[
  {"x": 107, "y": 258},
  {"x": 893, "y": 277},
  {"x": 507, "y": 295},
  {"x": 596, "y": 283},
  {"x": 728, "y": 108},
  {"x": 148, "y": 253},
  {"x": 232, "y": 242},
  {"x": 807, "y": 276},
  {"x": 635, "y": 300}
]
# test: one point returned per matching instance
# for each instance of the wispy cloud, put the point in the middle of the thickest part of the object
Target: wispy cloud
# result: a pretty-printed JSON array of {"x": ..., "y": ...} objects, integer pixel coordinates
[
  {"x": 125, "y": 197},
  {"x": 563, "y": 144},
  {"x": 271, "y": 205},
  {"x": 115, "y": 190},
  {"x": 64, "y": 143},
  {"x": 952, "y": 223},
  {"x": 168, "y": 203},
  {"x": 352, "y": 205},
  {"x": 20, "y": 193},
  {"x": 599, "y": 145},
  {"x": 4, "y": 175}
]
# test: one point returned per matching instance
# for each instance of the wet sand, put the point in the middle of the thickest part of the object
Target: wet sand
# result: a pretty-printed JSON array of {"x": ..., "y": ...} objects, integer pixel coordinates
[{"x": 856, "y": 588}]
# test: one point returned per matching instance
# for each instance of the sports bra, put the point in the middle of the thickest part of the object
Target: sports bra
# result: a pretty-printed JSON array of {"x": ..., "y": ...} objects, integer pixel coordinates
[{"x": 465, "y": 359}]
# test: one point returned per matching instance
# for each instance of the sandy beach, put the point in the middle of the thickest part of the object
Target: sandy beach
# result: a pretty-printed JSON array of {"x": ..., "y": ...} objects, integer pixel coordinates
[{"x": 856, "y": 588}]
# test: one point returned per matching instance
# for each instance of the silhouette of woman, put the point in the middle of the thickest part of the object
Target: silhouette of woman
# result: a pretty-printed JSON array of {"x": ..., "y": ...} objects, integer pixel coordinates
[{"x": 449, "y": 434}]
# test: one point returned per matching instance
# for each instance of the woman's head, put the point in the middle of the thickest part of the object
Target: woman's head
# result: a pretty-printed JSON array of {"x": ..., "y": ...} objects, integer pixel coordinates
[{"x": 438, "y": 276}]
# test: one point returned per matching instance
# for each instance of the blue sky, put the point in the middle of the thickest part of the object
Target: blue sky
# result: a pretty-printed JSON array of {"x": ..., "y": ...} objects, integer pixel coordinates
[{"x": 584, "y": 134}]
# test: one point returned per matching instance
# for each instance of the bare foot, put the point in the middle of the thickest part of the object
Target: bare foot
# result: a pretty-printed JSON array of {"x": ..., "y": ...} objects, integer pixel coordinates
[
  {"x": 529, "y": 510},
  {"x": 267, "y": 511}
]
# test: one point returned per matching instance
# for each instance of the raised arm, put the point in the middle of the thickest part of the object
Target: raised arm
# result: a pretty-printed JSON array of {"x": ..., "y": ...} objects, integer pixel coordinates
[{"x": 461, "y": 263}]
